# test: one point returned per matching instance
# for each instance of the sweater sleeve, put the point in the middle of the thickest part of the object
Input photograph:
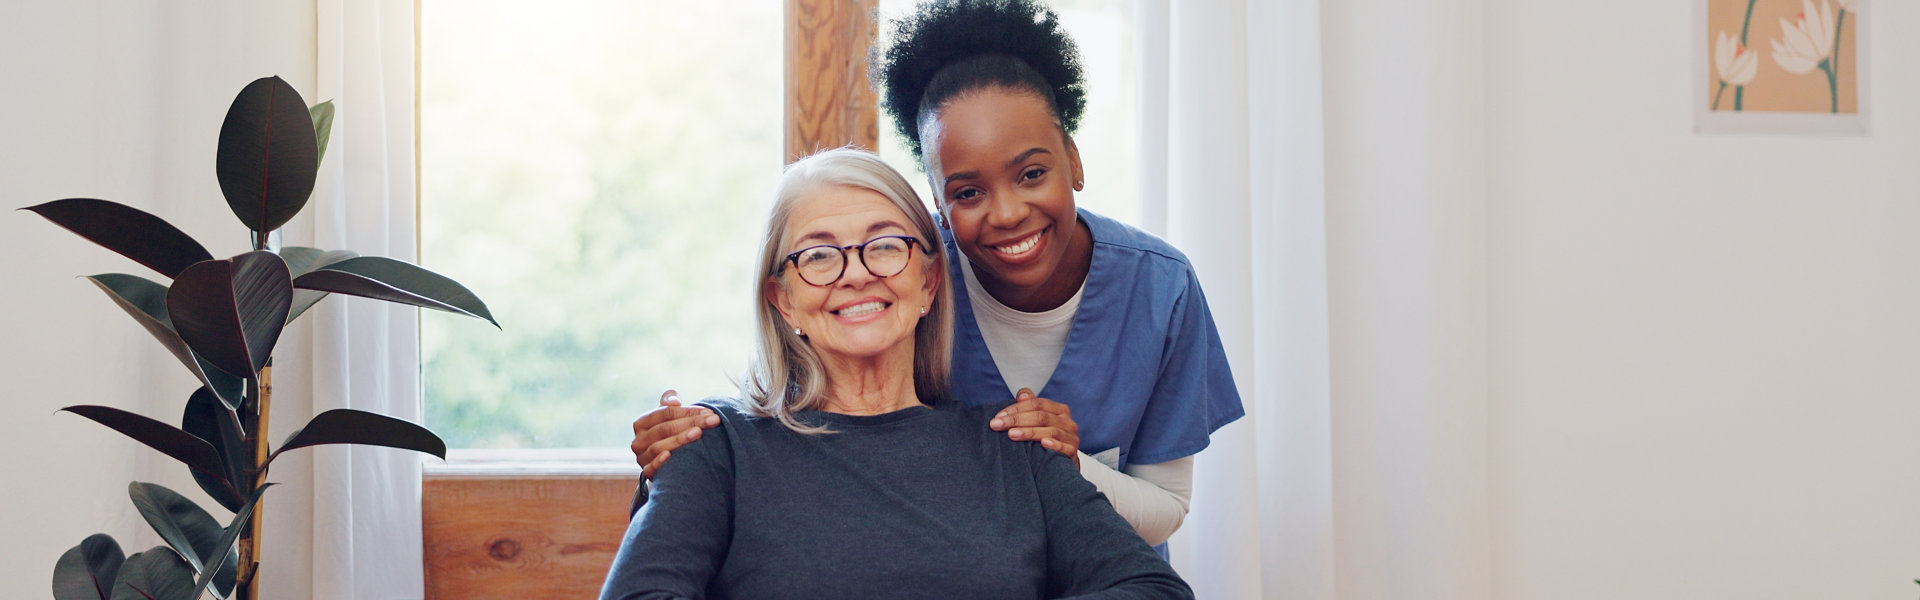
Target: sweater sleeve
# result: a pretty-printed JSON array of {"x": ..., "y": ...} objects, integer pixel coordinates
[
  {"x": 679, "y": 537},
  {"x": 1091, "y": 552}
]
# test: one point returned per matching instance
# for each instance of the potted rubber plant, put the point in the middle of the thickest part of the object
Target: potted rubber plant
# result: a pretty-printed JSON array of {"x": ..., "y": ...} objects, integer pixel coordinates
[{"x": 221, "y": 317}]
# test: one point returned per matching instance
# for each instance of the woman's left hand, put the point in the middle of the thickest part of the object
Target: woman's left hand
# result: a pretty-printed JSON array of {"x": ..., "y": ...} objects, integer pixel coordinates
[{"x": 1032, "y": 418}]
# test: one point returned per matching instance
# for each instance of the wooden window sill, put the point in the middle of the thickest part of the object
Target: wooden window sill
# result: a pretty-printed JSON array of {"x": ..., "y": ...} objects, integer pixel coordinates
[{"x": 524, "y": 523}]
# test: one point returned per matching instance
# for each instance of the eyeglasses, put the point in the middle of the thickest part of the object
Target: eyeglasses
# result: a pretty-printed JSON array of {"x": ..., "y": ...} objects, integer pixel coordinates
[{"x": 822, "y": 265}]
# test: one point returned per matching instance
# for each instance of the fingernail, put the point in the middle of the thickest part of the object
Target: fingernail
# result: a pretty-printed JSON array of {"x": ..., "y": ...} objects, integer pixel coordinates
[
  {"x": 711, "y": 420},
  {"x": 997, "y": 423},
  {"x": 1017, "y": 434}
]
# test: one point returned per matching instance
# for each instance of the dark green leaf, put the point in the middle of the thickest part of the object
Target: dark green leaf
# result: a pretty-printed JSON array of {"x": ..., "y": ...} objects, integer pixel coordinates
[
  {"x": 133, "y": 233},
  {"x": 87, "y": 571},
  {"x": 179, "y": 521},
  {"x": 231, "y": 311},
  {"x": 268, "y": 157},
  {"x": 214, "y": 424},
  {"x": 229, "y": 389},
  {"x": 182, "y": 446},
  {"x": 264, "y": 288},
  {"x": 387, "y": 279},
  {"x": 228, "y": 574},
  {"x": 301, "y": 261},
  {"x": 205, "y": 313},
  {"x": 227, "y": 540},
  {"x": 184, "y": 526},
  {"x": 322, "y": 127},
  {"x": 349, "y": 426},
  {"x": 146, "y": 302},
  {"x": 157, "y": 574}
]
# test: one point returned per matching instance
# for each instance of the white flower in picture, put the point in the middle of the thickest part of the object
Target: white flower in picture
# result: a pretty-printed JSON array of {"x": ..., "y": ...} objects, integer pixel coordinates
[
  {"x": 1735, "y": 63},
  {"x": 1809, "y": 39}
]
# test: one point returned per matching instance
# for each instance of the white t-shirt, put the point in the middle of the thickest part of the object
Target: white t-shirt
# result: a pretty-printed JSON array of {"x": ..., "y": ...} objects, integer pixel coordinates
[{"x": 1026, "y": 346}]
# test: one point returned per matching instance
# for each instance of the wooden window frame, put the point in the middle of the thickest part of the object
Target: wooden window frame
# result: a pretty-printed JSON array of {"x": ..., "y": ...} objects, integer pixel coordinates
[{"x": 501, "y": 528}]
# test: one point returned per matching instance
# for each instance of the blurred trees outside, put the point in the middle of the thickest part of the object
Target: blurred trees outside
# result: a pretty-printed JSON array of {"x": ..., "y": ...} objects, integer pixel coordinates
[{"x": 599, "y": 171}]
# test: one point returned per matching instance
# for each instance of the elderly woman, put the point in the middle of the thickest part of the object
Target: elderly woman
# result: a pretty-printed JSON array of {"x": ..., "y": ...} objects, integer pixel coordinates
[{"x": 847, "y": 471}]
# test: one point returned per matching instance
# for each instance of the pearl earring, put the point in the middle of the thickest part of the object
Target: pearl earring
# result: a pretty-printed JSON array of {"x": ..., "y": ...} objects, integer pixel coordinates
[
  {"x": 923, "y": 311},
  {"x": 796, "y": 331}
]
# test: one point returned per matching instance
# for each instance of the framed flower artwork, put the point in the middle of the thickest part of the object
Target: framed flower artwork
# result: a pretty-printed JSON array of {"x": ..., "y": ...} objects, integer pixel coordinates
[{"x": 1781, "y": 66}]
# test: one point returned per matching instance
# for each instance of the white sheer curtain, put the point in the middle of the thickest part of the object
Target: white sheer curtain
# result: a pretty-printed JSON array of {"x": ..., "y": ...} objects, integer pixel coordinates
[
  {"x": 1321, "y": 165},
  {"x": 361, "y": 521},
  {"x": 1196, "y": 190}
]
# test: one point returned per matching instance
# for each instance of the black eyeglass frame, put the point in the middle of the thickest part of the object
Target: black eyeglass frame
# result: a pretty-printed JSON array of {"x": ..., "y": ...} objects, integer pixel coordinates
[{"x": 793, "y": 258}]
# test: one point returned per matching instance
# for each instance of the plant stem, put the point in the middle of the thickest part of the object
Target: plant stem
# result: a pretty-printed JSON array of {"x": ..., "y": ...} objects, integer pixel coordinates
[
  {"x": 1833, "y": 89},
  {"x": 1740, "y": 92},
  {"x": 248, "y": 582},
  {"x": 1747, "y": 23},
  {"x": 1716, "y": 95},
  {"x": 260, "y": 476},
  {"x": 1833, "y": 70}
]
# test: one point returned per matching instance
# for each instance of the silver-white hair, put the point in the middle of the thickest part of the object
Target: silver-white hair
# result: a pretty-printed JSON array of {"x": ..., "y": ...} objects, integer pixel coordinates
[{"x": 785, "y": 376}]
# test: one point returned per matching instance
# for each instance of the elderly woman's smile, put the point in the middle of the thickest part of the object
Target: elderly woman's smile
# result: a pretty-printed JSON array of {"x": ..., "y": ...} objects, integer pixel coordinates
[{"x": 856, "y": 311}]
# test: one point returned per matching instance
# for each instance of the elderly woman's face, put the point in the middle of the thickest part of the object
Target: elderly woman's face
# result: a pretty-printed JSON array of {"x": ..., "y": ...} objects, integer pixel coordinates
[{"x": 859, "y": 315}]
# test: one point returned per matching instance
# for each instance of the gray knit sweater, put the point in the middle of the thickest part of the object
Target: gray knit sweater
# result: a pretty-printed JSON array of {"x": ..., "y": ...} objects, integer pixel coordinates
[{"x": 919, "y": 503}]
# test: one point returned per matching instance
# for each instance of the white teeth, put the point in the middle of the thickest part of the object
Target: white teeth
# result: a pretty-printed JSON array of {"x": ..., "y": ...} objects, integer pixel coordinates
[
  {"x": 1020, "y": 248},
  {"x": 863, "y": 309}
]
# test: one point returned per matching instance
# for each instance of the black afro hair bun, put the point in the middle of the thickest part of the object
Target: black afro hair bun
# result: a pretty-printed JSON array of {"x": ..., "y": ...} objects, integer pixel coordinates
[{"x": 980, "y": 36}]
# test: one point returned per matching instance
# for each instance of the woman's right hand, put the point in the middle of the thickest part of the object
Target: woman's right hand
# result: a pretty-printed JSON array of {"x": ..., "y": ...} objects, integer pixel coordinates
[
  {"x": 657, "y": 433},
  {"x": 1032, "y": 418}
]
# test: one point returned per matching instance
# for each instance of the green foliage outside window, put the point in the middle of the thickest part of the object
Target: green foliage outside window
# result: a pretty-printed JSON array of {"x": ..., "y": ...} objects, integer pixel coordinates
[{"x": 599, "y": 171}]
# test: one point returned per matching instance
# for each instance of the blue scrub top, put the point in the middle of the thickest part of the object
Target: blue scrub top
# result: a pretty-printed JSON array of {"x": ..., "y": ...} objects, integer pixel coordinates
[{"x": 1143, "y": 368}]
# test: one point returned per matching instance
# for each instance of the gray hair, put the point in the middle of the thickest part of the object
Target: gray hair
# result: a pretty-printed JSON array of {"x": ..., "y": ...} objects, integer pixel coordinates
[{"x": 785, "y": 376}]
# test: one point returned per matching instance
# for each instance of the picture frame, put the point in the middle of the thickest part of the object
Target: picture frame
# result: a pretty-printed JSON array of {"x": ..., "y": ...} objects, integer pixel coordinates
[{"x": 1796, "y": 67}]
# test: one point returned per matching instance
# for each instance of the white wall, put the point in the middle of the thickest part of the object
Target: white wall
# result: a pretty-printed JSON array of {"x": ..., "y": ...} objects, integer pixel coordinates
[
  {"x": 1704, "y": 350},
  {"x": 121, "y": 101}
]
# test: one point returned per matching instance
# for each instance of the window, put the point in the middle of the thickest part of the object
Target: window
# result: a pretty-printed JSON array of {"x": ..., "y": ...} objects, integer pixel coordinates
[{"x": 597, "y": 170}]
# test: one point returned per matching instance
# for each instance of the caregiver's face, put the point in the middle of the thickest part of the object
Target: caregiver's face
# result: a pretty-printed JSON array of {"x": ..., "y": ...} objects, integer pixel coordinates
[{"x": 1005, "y": 175}]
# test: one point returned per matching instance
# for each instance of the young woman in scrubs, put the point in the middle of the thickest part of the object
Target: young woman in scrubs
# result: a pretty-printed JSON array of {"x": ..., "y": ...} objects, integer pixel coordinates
[{"x": 1106, "y": 321}]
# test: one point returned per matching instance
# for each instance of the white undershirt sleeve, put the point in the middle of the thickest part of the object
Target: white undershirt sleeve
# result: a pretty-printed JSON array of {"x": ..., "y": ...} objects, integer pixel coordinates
[{"x": 1153, "y": 498}]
